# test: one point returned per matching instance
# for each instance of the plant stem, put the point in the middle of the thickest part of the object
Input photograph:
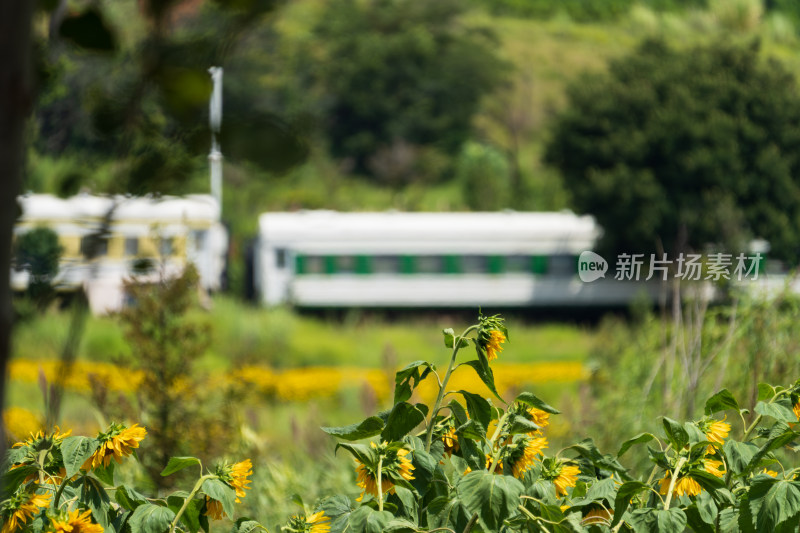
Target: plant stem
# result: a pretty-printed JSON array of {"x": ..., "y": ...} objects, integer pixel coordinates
[
  {"x": 443, "y": 385},
  {"x": 496, "y": 456},
  {"x": 59, "y": 491},
  {"x": 190, "y": 497},
  {"x": 471, "y": 523},
  {"x": 380, "y": 484},
  {"x": 675, "y": 472}
]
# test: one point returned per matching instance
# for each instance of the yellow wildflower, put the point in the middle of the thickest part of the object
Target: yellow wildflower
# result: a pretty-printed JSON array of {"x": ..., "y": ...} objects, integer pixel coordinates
[
  {"x": 567, "y": 477},
  {"x": 239, "y": 473},
  {"x": 76, "y": 522},
  {"x": 494, "y": 345},
  {"x": 770, "y": 473},
  {"x": 684, "y": 485},
  {"x": 21, "y": 508},
  {"x": 116, "y": 443},
  {"x": 315, "y": 523},
  {"x": 718, "y": 431}
]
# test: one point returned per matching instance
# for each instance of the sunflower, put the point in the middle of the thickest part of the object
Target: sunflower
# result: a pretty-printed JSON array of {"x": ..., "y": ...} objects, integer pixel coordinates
[
  {"x": 539, "y": 417},
  {"x": 397, "y": 463},
  {"x": 714, "y": 467},
  {"x": 38, "y": 437},
  {"x": 490, "y": 461},
  {"x": 315, "y": 523},
  {"x": 494, "y": 346},
  {"x": 598, "y": 516},
  {"x": 770, "y": 473},
  {"x": 450, "y": 440},
  {"x": 237, "y": 477},
  {"x": 567, "y": 477},
  {"x": 525, "y": 455},
  {"x": 796, "y": 410},
  {"x": 75, "y": 522},
  {"x": 118, "y": 442},
  {"x": 214, "y": 509},
  {"x": 21, "y": 508},
  {"x": 684, "y": 485},
  {"x": 716, "y": 431}
]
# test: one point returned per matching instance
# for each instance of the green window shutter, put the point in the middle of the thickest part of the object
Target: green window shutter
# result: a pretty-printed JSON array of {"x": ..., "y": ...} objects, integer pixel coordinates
[
  {"x": 300, "y": 264},
  {"x": 539, "y": 264},
  {"x": 330, "y": 264},
  {"x": 407, "y": 265},
  {"x": 452, "y": 264},
  {"x": 363, "y": 264},
  {"x": 496, "y": 264}
]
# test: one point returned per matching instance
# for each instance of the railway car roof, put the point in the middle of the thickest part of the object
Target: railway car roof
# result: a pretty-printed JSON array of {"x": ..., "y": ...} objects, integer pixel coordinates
[{"x": 166, "y": 208}]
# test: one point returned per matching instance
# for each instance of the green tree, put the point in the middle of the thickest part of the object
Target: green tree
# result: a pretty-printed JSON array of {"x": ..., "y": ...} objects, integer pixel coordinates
[
  {"x": 684, "y": 148},
  {"x": 400, "y": 74},
  {"x": 38, "y": 252},
  {"x": 484, "y": 175}
]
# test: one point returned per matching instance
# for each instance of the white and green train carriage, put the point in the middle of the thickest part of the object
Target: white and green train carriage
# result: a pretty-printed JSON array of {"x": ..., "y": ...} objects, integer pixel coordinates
[{"x": 327, "y": 259}]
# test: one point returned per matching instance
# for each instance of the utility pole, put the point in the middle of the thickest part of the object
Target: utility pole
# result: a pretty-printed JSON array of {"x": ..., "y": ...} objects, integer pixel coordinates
[{"x": 215, "y": 122}]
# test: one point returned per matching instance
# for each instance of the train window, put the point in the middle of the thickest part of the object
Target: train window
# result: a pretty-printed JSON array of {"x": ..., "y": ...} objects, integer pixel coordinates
[
  {"x": 429, "y": 264},
  {"x": 166, "y": 247},
  {"x": 386, "y": 264},
  {"x": 518, "y": 263},
  {"x": 280, "y": 257},
  {"x": 474, "y": 264},
  {"x": 131, "y": 246},
  {"x": 562, "y": 265},
  {"x": 346, "y": 264},
  {"x": 94, "y": 246},
  {"x": 199, "y": 238},
  {"x": 311, "y": 264}
]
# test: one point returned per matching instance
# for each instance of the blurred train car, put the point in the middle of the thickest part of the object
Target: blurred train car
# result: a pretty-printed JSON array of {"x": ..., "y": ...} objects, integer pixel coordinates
[
  {"x": 168, "y": 232},
  {"x": 326, "y": 259}
]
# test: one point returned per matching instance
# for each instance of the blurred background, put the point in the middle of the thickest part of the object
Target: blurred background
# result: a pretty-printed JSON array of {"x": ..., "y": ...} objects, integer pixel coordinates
[{"x": 675, "y": 124}]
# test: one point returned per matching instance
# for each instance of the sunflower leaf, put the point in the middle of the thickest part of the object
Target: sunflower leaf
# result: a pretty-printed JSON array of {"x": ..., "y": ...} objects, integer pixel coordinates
[
  {"x": 721, "y": 401},
  {"x": 531, "y": 400},
  {"x": 222, "y": 492},
  {"x": 179, "y": 463},
  {"x": 75, "y": 451},
  {"x": 362, "y": 430},
  {"x": 407, "y": 379},
  {"x": 149, "y": 518}
]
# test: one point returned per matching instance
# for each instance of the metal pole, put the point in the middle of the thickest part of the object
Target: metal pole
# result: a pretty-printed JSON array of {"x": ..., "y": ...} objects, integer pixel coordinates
[{"x": 215, "y": 122}]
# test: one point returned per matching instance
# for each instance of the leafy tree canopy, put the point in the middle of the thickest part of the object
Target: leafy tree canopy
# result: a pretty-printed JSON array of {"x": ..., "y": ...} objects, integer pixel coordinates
[
  {"x": 401, "y": 72},
  {"x": 685, "y": 148}
]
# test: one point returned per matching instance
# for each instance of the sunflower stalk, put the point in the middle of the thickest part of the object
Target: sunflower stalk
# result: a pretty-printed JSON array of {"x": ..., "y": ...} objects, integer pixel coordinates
[
  {"x": 190, "y": 497},
  {"x": 672, "y": 482},
  {"x": 497, "y": 432},
  {"x": 380, "y": 483},
  {"x": 443, "y": 386}
]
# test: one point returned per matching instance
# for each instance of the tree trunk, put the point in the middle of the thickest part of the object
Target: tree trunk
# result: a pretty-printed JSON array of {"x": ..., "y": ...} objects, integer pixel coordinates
[{"x": 16, "y": 98}]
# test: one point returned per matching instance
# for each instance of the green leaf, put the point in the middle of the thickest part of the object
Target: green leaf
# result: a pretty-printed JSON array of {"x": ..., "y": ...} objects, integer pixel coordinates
[
  {"x": 449, "y": 337},
  {"x": 13, "y": 478},
  {"x": 149, "y": 518},
  {"x": 519, "y": 424},
  {"x": 401, "y": 525},
  {"x": 403, "y": 418},
  {"x": 484, "y": 372},
  {"x": 478, "y": 407},
  {"x": 75, "y": 451},
  {"x": 105, "y": 473},
  {"x": 774, "y": 502},
  {"x": 409, "y": 501},
  {"x": 603, "y": 489},
  {"x": 246, "y": 525},
  {"x": 587, "y": 448},
  {"x": 780, "y": 435},
  {"x": 94, "y": 496},
  {"x": 129, "y": 498},
  {"x": 659, "y": 520},
  {"x": 695, "y": 521},
  {"x": 706, "y": 507},
  {"x": 638, "y": 439},
  {"x": 493, "y": 497},
  {"x": 721, "y": 401},
  {"x": 338, "y": 508},
  {"x": 675, "y": 433},
  {"x": 779, "y": 410},
  {"x": 191, "y": 515},
  {"x": 366, "y": 520},
  {"x": 88, "y": 30},
  {"x": 766, "y": 391},
  {"x": 408, "y": 378},
  {"x": 472, "y": 429},
  {"x": 627, "y": 491},
  {"x": 363, "y": 430},
  {"x": 531, "y": 400},
  {"x": 179, "y": 463},
  {"x": 738, "y": 454},
  {"x": 222, "y": 492}
]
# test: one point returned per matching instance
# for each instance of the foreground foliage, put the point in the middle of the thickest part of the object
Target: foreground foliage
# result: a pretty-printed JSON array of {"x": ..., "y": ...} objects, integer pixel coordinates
[{"x": 463, "y": 463}]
